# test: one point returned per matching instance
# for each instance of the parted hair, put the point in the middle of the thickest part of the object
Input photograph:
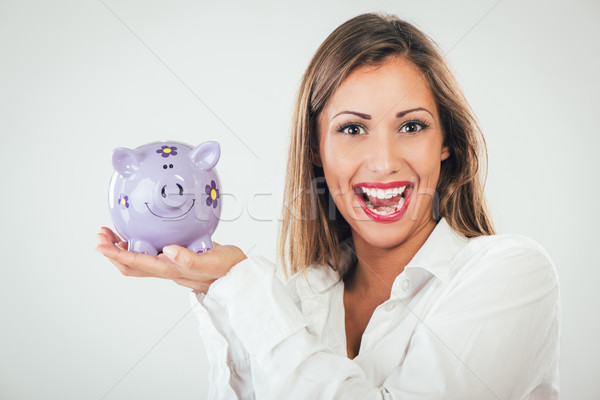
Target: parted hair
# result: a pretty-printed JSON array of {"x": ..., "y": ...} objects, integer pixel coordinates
[{"x": 309, "y": 233}]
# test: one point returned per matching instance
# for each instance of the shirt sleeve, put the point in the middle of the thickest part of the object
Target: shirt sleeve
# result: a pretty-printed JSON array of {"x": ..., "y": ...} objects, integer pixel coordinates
[
  {"x": 230, "y": 375},
  {"x": 492, "y": 336}
]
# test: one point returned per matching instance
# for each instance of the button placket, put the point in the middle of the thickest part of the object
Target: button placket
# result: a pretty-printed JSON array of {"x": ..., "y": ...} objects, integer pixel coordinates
[
  {"x": 401, "y": 292},
  {"x": 405, "y": 285}
]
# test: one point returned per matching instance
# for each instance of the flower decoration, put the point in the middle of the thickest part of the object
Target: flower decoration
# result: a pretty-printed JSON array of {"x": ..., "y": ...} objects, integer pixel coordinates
[
  {"x": 213, "y": 194},
  {"x": 167, "y": 151},
  {"x": 123, "y": 201}
]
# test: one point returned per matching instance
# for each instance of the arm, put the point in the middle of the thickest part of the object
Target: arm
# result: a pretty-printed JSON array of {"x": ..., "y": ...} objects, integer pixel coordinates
[
  {"x": 492, "y": 335},
  {"x": 501, "y": 316},
  {"x": 230, "y": 375},
  {"x": 276, "y": 335}
]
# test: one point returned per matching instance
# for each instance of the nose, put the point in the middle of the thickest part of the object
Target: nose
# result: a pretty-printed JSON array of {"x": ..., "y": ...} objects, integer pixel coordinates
[
  {"x": 383, "y": 155},
  {"x": 173, "y": 195},
  {"x": 170, "y": 192}
]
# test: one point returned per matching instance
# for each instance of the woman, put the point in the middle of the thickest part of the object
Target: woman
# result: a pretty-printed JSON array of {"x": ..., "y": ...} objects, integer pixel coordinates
[{"x": 399, "y": 287}]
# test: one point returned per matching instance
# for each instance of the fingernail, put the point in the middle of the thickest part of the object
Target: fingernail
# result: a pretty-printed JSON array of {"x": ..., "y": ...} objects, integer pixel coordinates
[{"x": 169, "y": 251}]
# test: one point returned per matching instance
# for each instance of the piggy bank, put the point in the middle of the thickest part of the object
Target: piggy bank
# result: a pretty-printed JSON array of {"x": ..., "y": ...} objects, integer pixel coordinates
[{"x": 166, "y": 193}]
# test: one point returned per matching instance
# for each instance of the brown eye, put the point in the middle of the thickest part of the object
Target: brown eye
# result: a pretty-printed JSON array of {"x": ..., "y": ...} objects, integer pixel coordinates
[
  {"x": 351, "y": 129},
  {"x": 413, "y": 127}
]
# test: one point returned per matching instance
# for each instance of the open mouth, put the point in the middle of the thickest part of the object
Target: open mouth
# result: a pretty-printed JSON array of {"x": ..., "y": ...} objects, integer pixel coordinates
[{"x": 385, "y": 200}]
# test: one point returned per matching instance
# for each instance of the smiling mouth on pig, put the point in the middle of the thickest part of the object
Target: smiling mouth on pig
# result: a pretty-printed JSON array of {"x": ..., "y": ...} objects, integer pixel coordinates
[{"x": 177, "y": 216}]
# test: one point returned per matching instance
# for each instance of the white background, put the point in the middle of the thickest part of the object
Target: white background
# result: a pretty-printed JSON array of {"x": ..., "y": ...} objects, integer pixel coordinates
[{"x": 79, "y": 78}]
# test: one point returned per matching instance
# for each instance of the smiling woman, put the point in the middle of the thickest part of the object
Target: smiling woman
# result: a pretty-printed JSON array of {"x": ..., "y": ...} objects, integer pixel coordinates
[
  {"x": 379, "y": 150},
  {"x": 399, "y": 287}
]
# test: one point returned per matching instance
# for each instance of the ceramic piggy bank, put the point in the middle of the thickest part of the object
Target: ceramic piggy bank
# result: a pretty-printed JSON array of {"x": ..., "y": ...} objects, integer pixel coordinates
[{"x": 166, "y": 193}]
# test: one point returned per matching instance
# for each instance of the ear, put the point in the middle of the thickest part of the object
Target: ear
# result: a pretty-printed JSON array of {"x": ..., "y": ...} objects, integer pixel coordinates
[
  {"x": 125, "y": 161},
  {"x": 445, "y": 153},
  {"x": 206, "y": 155},
  {"x": 315, "y": 157}
]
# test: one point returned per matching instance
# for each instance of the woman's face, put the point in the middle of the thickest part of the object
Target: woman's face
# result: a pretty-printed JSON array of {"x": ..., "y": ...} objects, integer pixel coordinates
[{"x": 381, "y": 146}]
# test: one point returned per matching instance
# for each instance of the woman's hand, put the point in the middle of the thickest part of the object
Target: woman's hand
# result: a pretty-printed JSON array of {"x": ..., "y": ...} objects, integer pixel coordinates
[{"x": 183, "y": 266}]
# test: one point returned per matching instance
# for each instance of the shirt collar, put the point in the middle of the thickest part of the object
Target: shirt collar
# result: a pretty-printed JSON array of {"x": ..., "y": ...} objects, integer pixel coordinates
[
  {"x": 435, "y": 257},
  {"x": 438, "y": 251}
]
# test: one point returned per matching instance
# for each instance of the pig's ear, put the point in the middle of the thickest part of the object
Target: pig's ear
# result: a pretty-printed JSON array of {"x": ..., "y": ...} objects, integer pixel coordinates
[
  {"x": 206, "y": 155},
  {"x": 125, "y": 161}
]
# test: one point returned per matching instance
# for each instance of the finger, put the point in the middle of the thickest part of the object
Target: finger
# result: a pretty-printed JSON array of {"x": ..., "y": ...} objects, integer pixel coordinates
[
  {"x": 216, "y": 244},
  {"x": 103, "y": 239},
  {"x": 107, "y": 239},
  {"x": 191, "y": 264},
  {"x": 145, "y": 264},
  {"x": 111, "y": 235},
  {"x": 103, "y": 242}
]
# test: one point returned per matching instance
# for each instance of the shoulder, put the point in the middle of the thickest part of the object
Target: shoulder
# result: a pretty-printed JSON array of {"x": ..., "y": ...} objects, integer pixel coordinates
[
  {"x": 491, "y": 244},
  {"x": 506, "y": 257},
  {"x": 500, "y": 302}
]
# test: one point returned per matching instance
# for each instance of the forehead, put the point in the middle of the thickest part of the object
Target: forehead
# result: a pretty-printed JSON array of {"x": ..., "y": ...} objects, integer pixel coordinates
[{"x": 396, "y": 85}]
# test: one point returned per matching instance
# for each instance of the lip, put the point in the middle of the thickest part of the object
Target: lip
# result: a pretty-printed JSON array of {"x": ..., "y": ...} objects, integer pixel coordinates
[{"x": 377, "y": 185}]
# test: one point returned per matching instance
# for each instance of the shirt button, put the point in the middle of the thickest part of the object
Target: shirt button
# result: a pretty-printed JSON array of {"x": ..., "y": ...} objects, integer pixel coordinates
[
  {"x": 389, "y": 306},
  {"x": 405, "y": 284}
]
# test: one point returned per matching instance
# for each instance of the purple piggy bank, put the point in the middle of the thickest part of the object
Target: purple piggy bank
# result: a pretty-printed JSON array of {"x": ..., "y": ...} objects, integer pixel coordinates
[{"x": 166, "y": 193}]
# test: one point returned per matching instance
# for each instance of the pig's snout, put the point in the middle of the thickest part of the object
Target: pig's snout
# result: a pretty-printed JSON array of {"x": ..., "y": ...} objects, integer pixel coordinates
[{"x": 171, "y": 193}]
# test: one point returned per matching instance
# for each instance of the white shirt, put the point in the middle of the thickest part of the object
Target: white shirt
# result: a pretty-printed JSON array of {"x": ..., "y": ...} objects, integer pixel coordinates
[{"x": 467, "y": 319}]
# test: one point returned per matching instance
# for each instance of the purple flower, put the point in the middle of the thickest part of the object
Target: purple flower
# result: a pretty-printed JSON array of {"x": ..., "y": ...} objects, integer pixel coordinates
[
  {"x": 213, "y": 194},
  {"x": 167, "y": 151},
  {"x": 123, "y": 201}
]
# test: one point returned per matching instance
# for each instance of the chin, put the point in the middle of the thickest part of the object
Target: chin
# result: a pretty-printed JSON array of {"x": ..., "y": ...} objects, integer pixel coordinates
[{"x": 385, "y": 238}]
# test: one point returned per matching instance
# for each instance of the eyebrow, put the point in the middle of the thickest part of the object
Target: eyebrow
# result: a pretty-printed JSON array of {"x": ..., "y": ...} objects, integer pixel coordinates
[{"x": 399, "y": 115}]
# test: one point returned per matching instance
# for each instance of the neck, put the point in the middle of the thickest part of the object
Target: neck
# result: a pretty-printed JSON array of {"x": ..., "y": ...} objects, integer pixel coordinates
[{"x": 377, "y": 268}]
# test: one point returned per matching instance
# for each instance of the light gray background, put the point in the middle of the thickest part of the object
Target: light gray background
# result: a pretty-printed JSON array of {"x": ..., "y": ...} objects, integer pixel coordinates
[{"x": 79, "y": 78}]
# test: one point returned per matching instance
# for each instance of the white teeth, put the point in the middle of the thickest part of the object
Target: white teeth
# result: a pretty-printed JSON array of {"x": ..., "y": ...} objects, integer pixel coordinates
[
  {"x": 384, "y": 194},
  {"x": 387, "y": 209},
  {"x": 400, "y": 204}
]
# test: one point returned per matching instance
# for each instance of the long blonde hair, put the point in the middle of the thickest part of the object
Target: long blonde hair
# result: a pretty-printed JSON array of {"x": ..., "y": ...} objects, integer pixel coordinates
[{"x": 308, "y": 233}]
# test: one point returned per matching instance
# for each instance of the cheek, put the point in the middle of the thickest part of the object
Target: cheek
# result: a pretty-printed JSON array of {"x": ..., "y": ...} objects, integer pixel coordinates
[
  {"x": 336, "y": 163},
  {"x": 425, "y": 161},
  {"x": 337, "y": 180},
  {"x": 332, "y": 148}
]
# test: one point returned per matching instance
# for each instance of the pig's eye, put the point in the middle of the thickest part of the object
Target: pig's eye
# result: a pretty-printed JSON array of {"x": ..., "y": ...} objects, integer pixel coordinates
[
  {"x": 165, "y": 166},
  {"x": 163, "y": 191},
  {"x": 180, "y": 189},
  {"x": 170, "y": 165}
]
